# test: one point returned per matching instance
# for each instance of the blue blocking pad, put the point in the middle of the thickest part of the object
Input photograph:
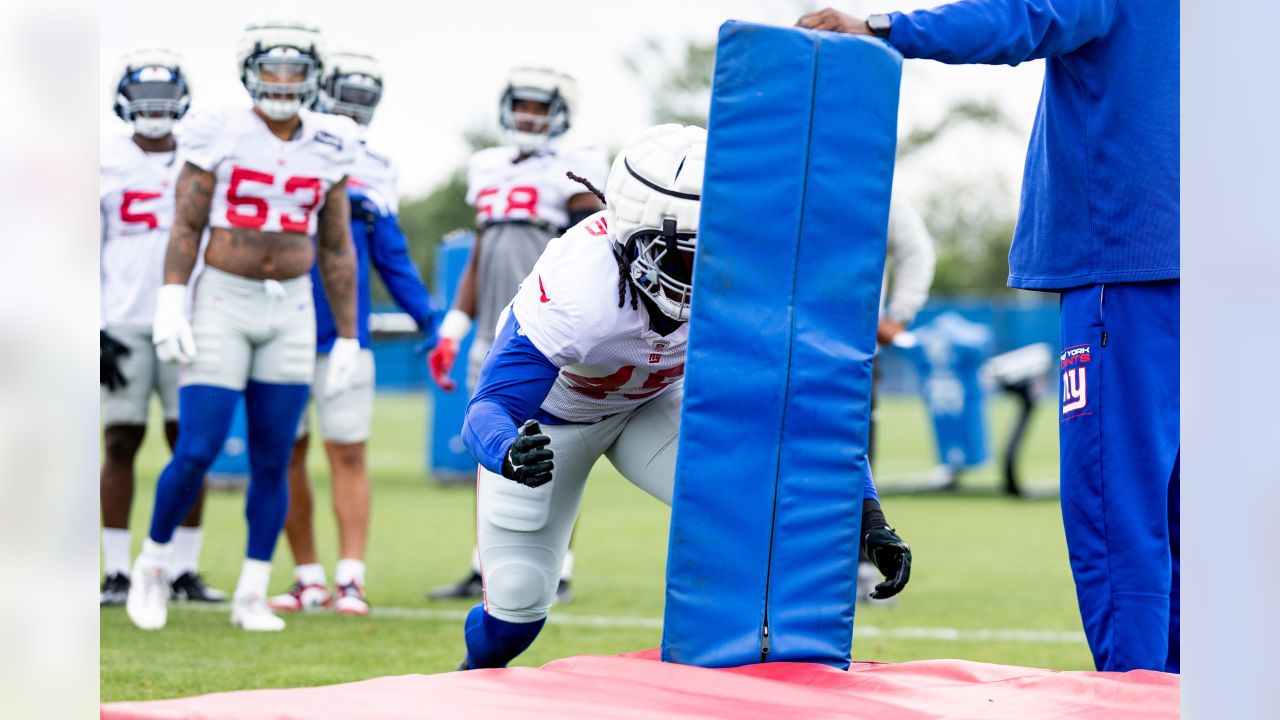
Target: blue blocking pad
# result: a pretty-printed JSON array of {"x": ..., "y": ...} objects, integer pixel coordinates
[{"x": 791, "y": 249}]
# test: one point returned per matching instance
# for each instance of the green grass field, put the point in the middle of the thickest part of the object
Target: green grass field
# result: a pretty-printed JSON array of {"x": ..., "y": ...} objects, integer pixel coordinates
[{"x": 982, "y": 562}]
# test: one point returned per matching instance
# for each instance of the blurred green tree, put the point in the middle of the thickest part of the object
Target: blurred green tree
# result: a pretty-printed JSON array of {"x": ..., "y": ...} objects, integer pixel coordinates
[
  {"x": 971, "y": 227},
  {"x": 971, "y": 221},
  {"x": 679, "y": 81}
]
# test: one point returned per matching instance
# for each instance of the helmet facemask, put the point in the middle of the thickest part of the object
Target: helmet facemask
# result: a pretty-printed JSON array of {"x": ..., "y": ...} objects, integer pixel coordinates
[
  {"x": 544, "y": 127},
  {"x": 355, "y": 95},
  {"x": 281, "y": 81},
  {"x": 152, "y": 99},
  {"x": 662, "y": 267}
]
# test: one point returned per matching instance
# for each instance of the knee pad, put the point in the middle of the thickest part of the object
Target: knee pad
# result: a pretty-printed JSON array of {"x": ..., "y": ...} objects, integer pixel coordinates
[{"x": 516, "y": 590}]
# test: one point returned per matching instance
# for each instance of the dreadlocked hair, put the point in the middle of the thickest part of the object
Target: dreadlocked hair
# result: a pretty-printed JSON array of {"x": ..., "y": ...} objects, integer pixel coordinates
[
  {"x": 624, "y": 282},
  {"x": 587, "y": 183}
]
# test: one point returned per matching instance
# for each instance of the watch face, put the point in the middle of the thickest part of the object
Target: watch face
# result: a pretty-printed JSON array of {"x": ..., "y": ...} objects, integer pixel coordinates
[{"x": 879, "y": 24}]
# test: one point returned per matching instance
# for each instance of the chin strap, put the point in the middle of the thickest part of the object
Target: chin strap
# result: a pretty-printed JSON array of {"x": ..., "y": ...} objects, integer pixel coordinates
[{"x": 669, "y": 234}]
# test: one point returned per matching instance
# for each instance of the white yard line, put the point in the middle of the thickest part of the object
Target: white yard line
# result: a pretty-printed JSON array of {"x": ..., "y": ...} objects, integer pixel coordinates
[{"x": 942, "y": 634}]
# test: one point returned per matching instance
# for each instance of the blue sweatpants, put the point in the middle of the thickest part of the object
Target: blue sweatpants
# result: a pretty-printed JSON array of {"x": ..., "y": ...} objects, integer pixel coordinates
[{"x": 1119, "y": 442}]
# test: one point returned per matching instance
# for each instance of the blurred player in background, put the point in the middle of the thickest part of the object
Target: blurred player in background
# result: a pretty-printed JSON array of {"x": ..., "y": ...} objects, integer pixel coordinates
[
  {"x": 1099, "y": 225},
  {"x": 522, "y": 200},
  {"x": 264, "y": 179},
  {"x": 352, "y": 86},
  {"x": 138, "y": 175},
  {"x": 908, "y": 275},
  {"x": 589, "y": 361}
]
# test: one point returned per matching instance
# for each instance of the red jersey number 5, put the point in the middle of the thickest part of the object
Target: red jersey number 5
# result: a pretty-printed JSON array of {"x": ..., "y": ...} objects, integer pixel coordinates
[{"x": 129, "y": 215}]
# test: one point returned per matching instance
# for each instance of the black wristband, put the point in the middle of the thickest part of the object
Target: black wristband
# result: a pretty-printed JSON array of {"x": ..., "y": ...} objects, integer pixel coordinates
[{"x": 872, "y": 516}]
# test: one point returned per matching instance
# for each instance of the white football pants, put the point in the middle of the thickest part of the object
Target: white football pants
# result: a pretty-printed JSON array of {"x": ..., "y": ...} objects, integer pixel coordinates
[
  {"x": 246, "y": 329},
  {"x": 524, "y": 532}
]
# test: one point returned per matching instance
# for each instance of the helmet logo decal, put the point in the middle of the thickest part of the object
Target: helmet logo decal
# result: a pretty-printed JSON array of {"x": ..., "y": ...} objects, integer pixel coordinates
[{"x": 658, "y": 188}]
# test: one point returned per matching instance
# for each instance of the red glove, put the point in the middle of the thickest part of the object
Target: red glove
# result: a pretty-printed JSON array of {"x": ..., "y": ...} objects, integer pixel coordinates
[{"x": 440, "y": 362}]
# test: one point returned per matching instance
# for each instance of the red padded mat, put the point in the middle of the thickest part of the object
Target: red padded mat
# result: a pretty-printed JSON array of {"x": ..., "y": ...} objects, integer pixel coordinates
[{"x": 636, "y": 685}]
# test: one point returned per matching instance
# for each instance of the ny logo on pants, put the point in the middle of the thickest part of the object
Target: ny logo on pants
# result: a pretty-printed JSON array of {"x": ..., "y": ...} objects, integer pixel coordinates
[{"x": 1073, "y": 362}]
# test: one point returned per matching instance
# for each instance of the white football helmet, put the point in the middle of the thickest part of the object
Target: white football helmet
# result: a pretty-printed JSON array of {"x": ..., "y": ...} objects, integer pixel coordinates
[
  {"x": 352, "y": 85},
  {"x": 556, "y": 90},
  {"x": 280, "y": 63},
  {"x": 653, "y": 198},
  {"x": 152, "y": 93}
]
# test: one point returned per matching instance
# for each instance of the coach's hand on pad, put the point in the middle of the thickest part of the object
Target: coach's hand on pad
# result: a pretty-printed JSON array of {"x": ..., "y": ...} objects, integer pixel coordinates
[
  {"x": 835, "y": 21},
  {"x": 892, "y": 557},
  {"x": 170, "y": 330},
  {"x": 110, "y": 350},
  {"x": 528, "y": 461},
  {"x": 342, "y": 366}
]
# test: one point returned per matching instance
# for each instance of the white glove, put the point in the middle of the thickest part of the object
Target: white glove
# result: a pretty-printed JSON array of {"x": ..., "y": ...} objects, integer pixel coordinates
[
  {"x": 170, "y": 330},
  {"x": 342, "y": 366}
]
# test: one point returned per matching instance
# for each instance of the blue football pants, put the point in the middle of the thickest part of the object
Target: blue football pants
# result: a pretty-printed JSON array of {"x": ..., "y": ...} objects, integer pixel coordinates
[{"x": 1119, "y": 424}]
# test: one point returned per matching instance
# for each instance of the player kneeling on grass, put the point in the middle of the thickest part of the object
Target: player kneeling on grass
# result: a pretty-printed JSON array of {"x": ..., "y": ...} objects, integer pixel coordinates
[{"x": 589, "y": 361}]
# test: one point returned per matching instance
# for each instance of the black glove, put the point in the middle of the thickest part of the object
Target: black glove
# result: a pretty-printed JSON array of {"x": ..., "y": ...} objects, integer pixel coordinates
[
  {"x": 528, "y": 460},
  {"x": 110, "y": 350},
  {"x": 891, "y": 556}
]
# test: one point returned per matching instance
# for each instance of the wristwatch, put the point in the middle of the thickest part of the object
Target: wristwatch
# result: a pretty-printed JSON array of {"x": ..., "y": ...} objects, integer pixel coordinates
[{"x": 880, "y": 25}]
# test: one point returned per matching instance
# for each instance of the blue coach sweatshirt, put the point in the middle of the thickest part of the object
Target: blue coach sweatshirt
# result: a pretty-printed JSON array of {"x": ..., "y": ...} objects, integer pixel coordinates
[
  {"x": 1100, "y": 187},
  {"x": 377, "y": 237}
]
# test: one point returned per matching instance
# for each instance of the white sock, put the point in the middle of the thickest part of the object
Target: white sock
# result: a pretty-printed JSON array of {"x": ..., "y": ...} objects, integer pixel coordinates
[
  {"x": 475, "y": 560},
  {"x": 348, "y": 571},
  {"x": 116, "y": 546},
  {"x": 186, "y": 550},
  {"x": 254, "y": 576},
  {"x": 154, "y": 551},
  {"x": 309, "y": 574},
  {"x": 566, "y": 569}
]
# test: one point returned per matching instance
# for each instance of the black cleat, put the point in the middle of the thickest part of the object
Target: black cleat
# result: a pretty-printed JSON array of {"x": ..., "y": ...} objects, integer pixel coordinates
[
  {"x": 469, "y": 587},
  {"x": 564, "y": 593},
  {"x": 190, "y": 587},
  {"x": 115, "y": 589}
]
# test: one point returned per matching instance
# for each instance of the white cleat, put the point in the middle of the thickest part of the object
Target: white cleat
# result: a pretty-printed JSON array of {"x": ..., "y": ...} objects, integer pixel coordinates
[
  {"x": 148, "y": 601},
  {"x": 250, "y": 612}
]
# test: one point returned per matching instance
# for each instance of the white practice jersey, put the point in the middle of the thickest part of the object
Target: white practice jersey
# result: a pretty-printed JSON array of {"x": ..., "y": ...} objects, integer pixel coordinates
[
  {"x": 610, "y": 360},
  {"x": 377, "y": 177},
  {"x": 136, "y": 202},
  {"x": 534, "y": 189},
  {"x": 264, "y": 183}
]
